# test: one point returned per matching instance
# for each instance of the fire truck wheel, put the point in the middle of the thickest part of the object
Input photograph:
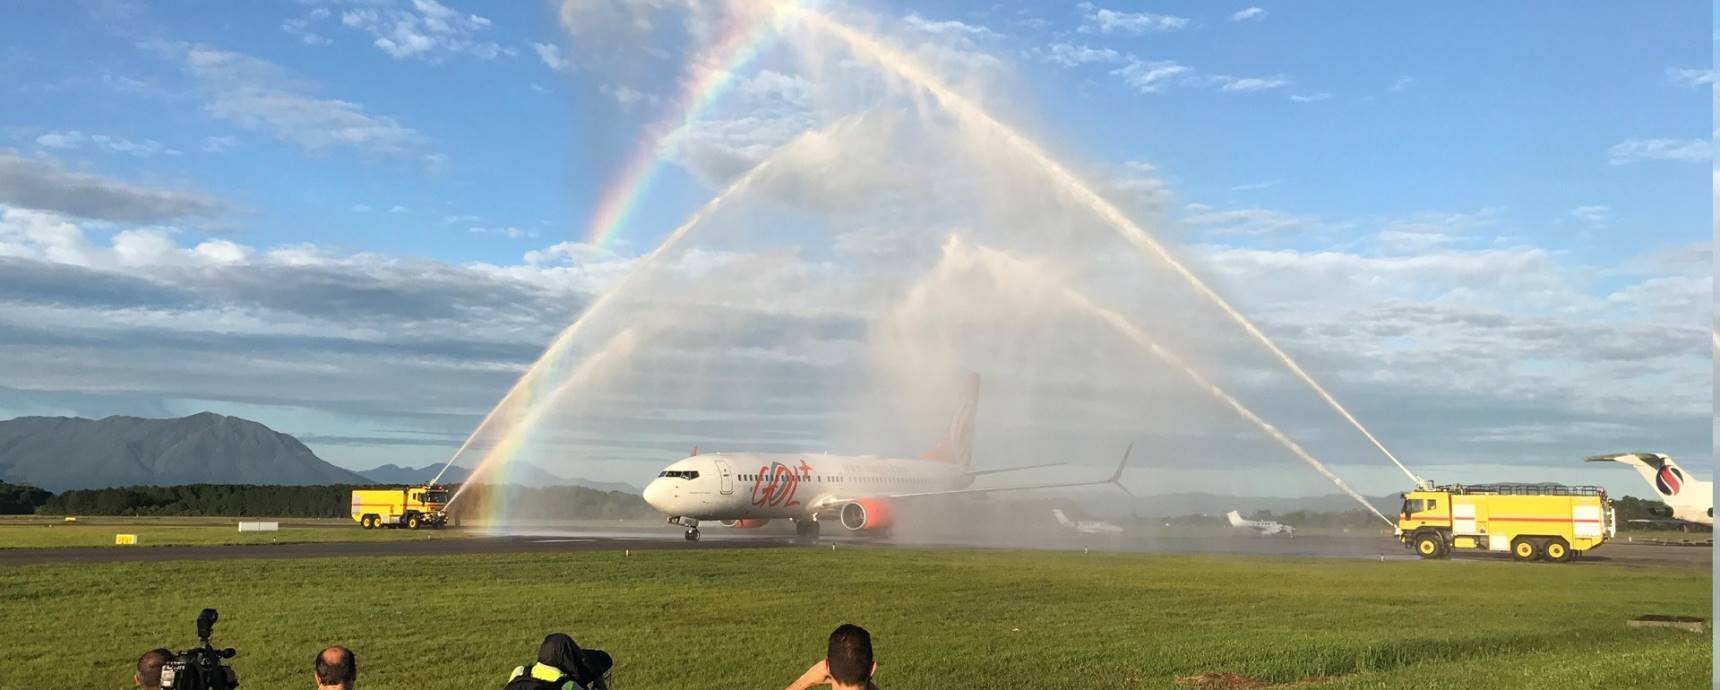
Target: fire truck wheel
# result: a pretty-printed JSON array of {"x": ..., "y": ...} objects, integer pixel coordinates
[
  {"x": 1428, "y": 546},
  {"x": 412, "y": 521},
  {"x": 1557, "y": 550},
  {"x": 1524, "y": 549}
]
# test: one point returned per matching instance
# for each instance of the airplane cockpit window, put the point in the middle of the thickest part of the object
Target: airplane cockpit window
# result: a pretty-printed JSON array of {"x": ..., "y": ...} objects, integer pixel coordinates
[{"x": 679, "y": 474}]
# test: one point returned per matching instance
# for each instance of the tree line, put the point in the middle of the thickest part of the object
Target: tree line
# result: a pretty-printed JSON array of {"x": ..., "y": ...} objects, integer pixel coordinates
[{"x": 253, "y": 500}]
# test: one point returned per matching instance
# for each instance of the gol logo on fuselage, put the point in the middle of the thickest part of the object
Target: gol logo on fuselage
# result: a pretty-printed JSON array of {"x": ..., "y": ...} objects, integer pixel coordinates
[{"x": 777, "y": 484}]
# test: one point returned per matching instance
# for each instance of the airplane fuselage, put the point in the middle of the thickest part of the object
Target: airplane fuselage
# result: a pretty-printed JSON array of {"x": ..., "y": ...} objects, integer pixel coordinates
[{"x": 761, "y": 486}]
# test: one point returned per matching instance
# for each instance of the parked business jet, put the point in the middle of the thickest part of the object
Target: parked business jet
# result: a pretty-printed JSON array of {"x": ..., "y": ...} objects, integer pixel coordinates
[
  {"x": 1691, "y": 499},
  {"x": 1265, "y": 527},
  {"x": 748, "y": 490},
  {"x": 1085, "y": 526}
]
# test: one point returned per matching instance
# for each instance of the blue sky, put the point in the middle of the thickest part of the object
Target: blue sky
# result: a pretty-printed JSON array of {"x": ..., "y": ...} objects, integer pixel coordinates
[{"x": 325, "y": 200}]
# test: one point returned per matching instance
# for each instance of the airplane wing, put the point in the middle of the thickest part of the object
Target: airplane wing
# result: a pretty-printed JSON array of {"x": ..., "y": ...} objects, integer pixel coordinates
[
  {"x": 1113, "y": 479},
  {"x": 977, "y": 473}
]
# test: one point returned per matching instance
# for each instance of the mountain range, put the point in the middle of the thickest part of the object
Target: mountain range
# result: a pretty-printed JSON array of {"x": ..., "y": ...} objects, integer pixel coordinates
[{"x": 61, "y": 453}]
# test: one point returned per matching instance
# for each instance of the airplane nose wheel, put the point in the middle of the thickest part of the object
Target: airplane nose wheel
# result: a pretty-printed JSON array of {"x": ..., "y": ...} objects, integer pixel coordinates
[{"x": 693, "y": 534}]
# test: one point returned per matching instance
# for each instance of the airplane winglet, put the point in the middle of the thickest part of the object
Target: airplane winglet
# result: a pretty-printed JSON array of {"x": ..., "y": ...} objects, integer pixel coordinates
[{"x": 1117, "y": 477}]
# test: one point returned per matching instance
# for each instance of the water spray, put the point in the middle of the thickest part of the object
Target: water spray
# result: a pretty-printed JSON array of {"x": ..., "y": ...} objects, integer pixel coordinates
[
  {"x": 1002, "y": 263},
  {"x": 905, "y": 67},
  {"x": 563, "y": 340},
  {"x": 516, "y": 395},
  {"x": 618, "y": 347}
]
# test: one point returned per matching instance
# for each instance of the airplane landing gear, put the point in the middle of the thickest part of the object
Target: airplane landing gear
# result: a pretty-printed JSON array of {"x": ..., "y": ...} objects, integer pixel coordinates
[
  {"x": 806, "y": 531},
  {"x": 689, "y": 523}
]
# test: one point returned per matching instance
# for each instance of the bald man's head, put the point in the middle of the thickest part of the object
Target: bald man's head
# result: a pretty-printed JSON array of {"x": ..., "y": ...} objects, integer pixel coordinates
[
  {"x": 149, "y": 668},
  {"x": 336, "y": 668}
]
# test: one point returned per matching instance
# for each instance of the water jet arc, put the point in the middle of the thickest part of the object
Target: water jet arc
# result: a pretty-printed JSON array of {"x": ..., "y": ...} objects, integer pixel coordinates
[{"x": 896, "y": 62}]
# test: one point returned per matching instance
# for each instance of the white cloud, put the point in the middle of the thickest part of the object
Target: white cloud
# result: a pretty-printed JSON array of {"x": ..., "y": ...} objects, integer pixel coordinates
[
  {"x": 1310, "y": 97},
  {"x": 1070, "y": 55},
  {"x": 361, "y": 208},
  {"x": 425, "y": 30},
  {"x": 1101, "y": 20},
  {"x": 71, "y": 139},
  {"x": 790, "y": 89},
  {"x": 1150, "y": 76},
  {"x": 509, "y": 232},
  {"x": 1254, "y": 14},
  {"x": 302, "y": 27},
  {"x": 1226, "y": 82},
  {"x": 948, "y": 28},
  {"x": 1594, "y": 216},
  {"x": 260, "y": 95},
  {"x": 219, "y": 144},
  {"x": 1247, "y": 221},
  {"x": 551, "y": 56},
  {"x": 68, "y": 139},
  {"x": 1635, "y": 150},
  {"x": 397, "y": 208},
  {"x": 1401, "y": 84},
  {"x": 1253, "y": 186},
  {"x": 627, "y": 96},
  {"x": 1691, "y": 77}
]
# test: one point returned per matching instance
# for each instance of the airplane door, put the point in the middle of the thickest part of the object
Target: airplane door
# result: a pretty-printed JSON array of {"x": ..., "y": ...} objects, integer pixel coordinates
[{"x": 725, "y": 477}]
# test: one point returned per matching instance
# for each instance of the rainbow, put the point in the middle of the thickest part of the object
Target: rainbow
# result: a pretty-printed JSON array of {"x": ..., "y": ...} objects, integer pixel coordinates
[{"x": 709, "y": 77}]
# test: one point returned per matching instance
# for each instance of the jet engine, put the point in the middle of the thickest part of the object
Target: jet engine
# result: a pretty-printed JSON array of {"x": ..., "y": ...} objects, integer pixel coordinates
[
  {"x": 745, "y": 524},
  {"x": 868, "y": 514}
]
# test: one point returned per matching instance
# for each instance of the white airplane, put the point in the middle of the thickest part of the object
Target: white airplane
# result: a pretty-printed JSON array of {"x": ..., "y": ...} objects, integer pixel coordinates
[
  {"x": 748, "y": 490},
  {"x": 1265, "y": 527},
  {"x": 1085, "y": 526},
  {"x": 1691, "y": 499}
]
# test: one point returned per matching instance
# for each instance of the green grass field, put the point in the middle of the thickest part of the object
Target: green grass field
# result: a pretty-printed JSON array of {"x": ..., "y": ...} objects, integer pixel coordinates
[{"x": 940, "y": 619}]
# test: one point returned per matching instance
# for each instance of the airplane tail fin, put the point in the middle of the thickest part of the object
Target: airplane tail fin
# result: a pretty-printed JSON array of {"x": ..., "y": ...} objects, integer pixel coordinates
[
  {"x": 1658, "y": 470},
  {"x": 1235, "y": 518},
  {"x": 1061, "y": 518},
  {"x": 956, "y": 446}
]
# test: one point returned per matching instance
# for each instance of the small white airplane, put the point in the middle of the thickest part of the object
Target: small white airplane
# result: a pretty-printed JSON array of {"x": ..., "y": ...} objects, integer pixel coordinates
[
  {"x": 1085, "y": 526},
  {"x": 1265, "y": 527},
  {"x": 859, "y": 492},
  {"x": 1691, "y": 499}
]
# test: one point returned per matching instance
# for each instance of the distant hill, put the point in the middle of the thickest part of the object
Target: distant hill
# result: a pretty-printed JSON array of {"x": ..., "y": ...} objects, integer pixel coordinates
[
  {"x": 60, "y": 453},
  {"x": 519, "y": 473}
]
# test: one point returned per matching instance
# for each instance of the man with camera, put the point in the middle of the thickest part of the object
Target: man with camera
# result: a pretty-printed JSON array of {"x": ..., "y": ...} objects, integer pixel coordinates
[
  {"x": 148, "y": 675},
  {"x": 847, "y": 663},
  {"x": 336, "y": 669}
]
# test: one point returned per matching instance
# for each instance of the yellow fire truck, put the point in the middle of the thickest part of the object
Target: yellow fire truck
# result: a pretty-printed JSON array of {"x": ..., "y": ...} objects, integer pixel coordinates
[
  {"x": 1529, "y": 521},
  {"x": 412, "y": 507}
]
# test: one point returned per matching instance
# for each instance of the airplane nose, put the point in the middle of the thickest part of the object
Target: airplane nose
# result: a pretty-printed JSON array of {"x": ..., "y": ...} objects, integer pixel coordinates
[{"x": 657, "y": 495}]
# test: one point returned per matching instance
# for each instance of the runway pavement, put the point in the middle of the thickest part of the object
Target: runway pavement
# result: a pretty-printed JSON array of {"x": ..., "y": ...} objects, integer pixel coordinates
[{"x": 564, "y": 541}]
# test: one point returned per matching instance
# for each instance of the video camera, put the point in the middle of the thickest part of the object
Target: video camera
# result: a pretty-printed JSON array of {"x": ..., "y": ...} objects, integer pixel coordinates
[{"x": 200, "y": 667}]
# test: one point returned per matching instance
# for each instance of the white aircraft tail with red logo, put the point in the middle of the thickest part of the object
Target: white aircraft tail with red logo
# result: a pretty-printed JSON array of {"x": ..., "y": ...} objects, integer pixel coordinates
[
  {"x": 1691, "y": 499},
  {"x": 956, "y": 446}
]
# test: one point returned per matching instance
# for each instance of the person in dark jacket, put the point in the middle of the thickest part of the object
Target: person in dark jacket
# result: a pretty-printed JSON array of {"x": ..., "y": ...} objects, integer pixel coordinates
[{"x": 562, "y": 665}]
